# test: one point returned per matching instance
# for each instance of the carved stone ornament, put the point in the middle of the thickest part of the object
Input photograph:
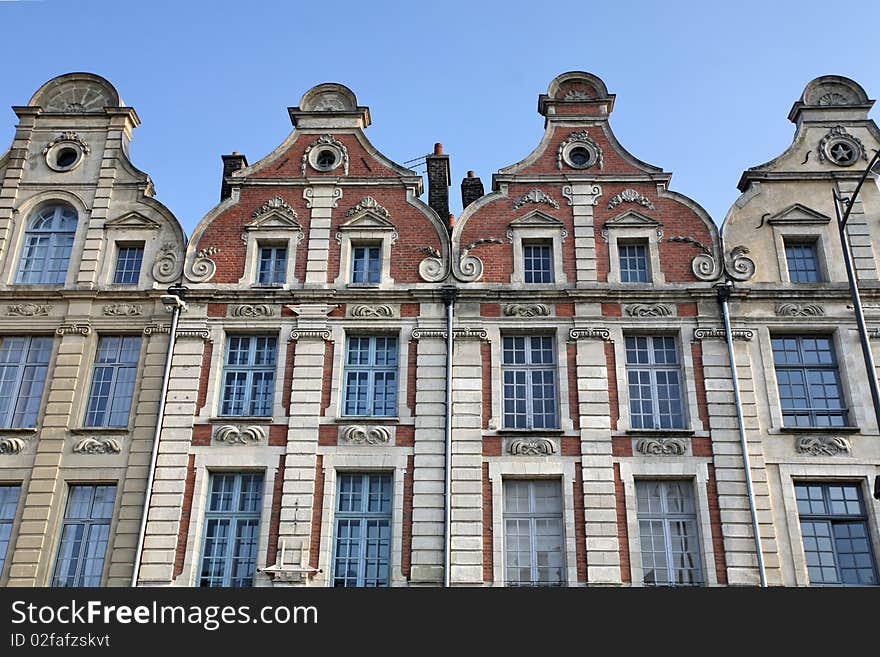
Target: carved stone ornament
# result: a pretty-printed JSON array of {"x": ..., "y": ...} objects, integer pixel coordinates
[
  {"x": 706, "y": 267},
  {"x": 202, "y": 268},
  {"x": 469, "y": 268},
  {"x": 369, "y": 204},
  {"x": 799, "y": 310},
  {"x": 832, "y": 98},
  {"x": 575, "y": 95},
  {"x": 593, "y": 197},
  {"x": 432, "y": 269},
  {"x": 366, "y": 435},
  {"x": 536, "y": 196},
  {"x": 662, "y": 446},
  {"x": 586, "y": 333},
  {"x": 582, "y": 138},
  {"x": 98, "y": 446},
  {"x": 28, "y": 310},
  {"x": 325, "y": 140},
  {"x": 239, "y": 435},
  {"x": 647, "y": 310},
  {"x": 526, "y": 310},
  {"x": 73, "y": 329},
  {"x": 68, "y": 137},
  {"x": 253, "y": 311},
  {"x": 157, "y": 329},
  {"x": 166, "y": 269},
  {"x": 719, "y": 334},
  {"x": 276, "y": 204},
  {"x": 823, "y": 445},
  {"x": 123, "y": 309},
  {"x": 457, "y": 334},
  {"x": 630, "y": 196},
  {"x": 841, "y": 148},
  {"x": 378, "y": 312},
  {"x": 537, "y": 447},
  {"x": 313, "y": 334},
  {"x": 11, "y": 445}
]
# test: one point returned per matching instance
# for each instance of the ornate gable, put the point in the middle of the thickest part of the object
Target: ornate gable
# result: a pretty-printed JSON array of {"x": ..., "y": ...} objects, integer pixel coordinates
[
  {"x": 274, "y": 214},
  {"x": 798, "y": 214},
  {"x": 536, "y": 219},
  {"x": 132, "y": 220},
  {"x": 368, "y": 215}
]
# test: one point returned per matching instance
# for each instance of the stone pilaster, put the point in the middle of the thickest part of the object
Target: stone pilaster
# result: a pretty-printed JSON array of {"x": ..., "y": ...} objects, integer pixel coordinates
[
  {"x": 320, "y": 199},
  {"x": 582, "y": 197}
]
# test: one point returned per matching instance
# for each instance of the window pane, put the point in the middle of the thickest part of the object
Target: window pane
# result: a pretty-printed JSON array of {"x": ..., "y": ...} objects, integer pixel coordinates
[
  {"x": 23, "y": 365},
  {"x": 370, "y": 376},
  {"x": 128, "y": 265},
  {"x": 808, "y": 381},
  {"x": 8, "y": 504},
  {"x": 366, "y": 264},
  {"x": 113, "y": 381},
  {"x": 84, "y": 535},
  {"x": 46, "y": 247},
  {"x": 528, "y": 384},
  {"x": 362, "y": 543},
  {"x": 249, "y": 375},
  {"x": 803, "y": 266},
  {"x": 537, "y": 263},
  {"x": 533, "y": 535},
  {"x": 633, "y": 263}
]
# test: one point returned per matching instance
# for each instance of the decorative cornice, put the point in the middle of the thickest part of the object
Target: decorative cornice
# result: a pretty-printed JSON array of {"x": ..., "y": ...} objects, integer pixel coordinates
[
  {"x": 647, "y": 310},
  {"x": 276, "y": 204},
  {"x": 536, "y": 196},
  {"x": 123, "y": 309},
  {"x": 526, "y": 310},
  {"x": 419, "y": 334},
  {"x": 366, "y": 435},
  {"x": 232, "y": 434},
  {"x": 536, "y": 447},
  {"x": 98, "y": 446},
  {"x": 28, "y": 310},
  {"x": 823, "y": 445},
  {"x": 372, "y": 312},
  {"x": 252, "y": 311},
  {"x": 309, "y": 334},
  {"x": 662, "y": 446},
  {"x": 369, "y": 205},
  {"x": 586, "y": 333},
  {"x": 11, "y": 445},
  {"x": 718, "y": 333},
  {"x": 568, "y": 194},
  {"x": 630, "y": 196},
  {"x": 73, "y": 329},
  {"x": 799, "y": 310},
  {"x": 68, "y": 137}
]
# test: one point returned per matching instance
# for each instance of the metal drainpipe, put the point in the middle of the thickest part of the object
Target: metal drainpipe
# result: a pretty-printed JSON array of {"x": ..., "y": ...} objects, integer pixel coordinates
[
  {"x": 449, "y": 294},
  {"x": 174, "y": 299},
  {"x": 724, "y": 291}
]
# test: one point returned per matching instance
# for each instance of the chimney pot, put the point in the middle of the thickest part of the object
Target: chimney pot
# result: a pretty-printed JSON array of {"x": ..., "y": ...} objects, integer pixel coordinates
[
  {"x": 471, "y": 189},
  {"x": 231, "y": 164},
  {"x": 438, "y": 148},
  {"x": 438, "y": 180}
]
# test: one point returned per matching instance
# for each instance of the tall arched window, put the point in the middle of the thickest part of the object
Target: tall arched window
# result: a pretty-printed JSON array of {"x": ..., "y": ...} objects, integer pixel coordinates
[{"x": 47, "y": 244}]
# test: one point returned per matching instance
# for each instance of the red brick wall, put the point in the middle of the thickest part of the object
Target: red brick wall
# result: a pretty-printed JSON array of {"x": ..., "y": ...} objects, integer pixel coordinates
[
  {"x": 700, "y": 383},
  {"x": 275, "y": 517},
  {"x": 570, "y": 446},
  {"x": 565, "y": 310},
  {"x": 611, "y": 310},
  {"x": 621, "y": 446},
  {"x": 410, "y": 309},
  {"x": 611, "y": 366},
  {"x": 715, "y": 522},
  {"x": 201, "y": 435},
  {"x": 202, "y": 395},
  {"x": 185, "y": 513},
  {"x": 317, "y": 512},
  {"x": 411, "y": 370},
  {"x": 327, "y": 434},
  {"x": 573, "y": 403},
  {"x": 327, "y": 384},
  {"x": 580, "y": 524},
  {"x": 406, "y": 533},
  {"x": 488, "y": 543},
  {"x": 622, "y": 531},
  {"x": 490, "y": 310},
  {"x": 404, "y": 435},
  {"x": 217, "y": 309},
  {"x": 486, "y": 362},
  {"x": 491, "y": 446},
  {"x": 288, "y": 376},
  {"x": 278, "y": 435}
]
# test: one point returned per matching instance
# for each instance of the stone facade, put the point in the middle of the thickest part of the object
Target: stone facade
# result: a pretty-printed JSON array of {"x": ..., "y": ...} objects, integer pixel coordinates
[{"x": 589, "y": 368}]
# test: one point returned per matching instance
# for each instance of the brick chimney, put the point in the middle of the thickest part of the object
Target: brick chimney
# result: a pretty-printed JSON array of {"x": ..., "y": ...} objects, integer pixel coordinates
[
  {"x": 438, "y": 181},
  {"x": 471, "y": 189},
  {"x": 231, "y": 164}
]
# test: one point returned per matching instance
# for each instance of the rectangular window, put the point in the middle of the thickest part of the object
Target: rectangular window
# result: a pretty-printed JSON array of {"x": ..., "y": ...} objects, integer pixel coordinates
[
  {"x": 808, "y": 381},
  {"x": 272, "y": 266},
  {"x": 533, "y": 554},
  {"x": 371, "y": 376},
  {"x": 667, "y": 517},
  {"x": 803, "y": 265},
  {"x": 529, "y": 381},
  {"x": 232, "y": 530},
  {"x": 128, "y": 265},
  {"x": 249, "y": 375},
  {"x": 366, "y": 264},
  {"x": 834, "y": 524},
  {"x": 23, "y": 365},
  {"x": 113, "y": 381},
  {"x": 653, "y": 374},
  {"x": 362, "y": 543},
  {"x": 633, "y": 263},
  {"x": 84, "y": 536},
  {"x": 537, "y": 262},
  {"x": 8, "y": 504}
]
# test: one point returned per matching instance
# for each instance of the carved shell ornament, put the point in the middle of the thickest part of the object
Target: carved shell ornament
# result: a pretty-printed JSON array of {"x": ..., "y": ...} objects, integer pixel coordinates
[{"x": 276, "y": 204}]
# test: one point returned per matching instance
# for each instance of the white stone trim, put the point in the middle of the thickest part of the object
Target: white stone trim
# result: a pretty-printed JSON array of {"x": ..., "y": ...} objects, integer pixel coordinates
[
  {"x": 258, "y": 237},
  {"x": 807, "y": 232},
  {"x": 634, "y": 235},
  {"x": 519, "y": 232}
]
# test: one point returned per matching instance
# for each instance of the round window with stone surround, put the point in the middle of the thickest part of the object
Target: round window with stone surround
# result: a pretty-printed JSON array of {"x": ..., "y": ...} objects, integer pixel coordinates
[
  {"x": 579, "y": 155},
  {"x": 842, "y": 152},
  {"x": 325, "y": 158},
  {"x": 64, "y": 156}
]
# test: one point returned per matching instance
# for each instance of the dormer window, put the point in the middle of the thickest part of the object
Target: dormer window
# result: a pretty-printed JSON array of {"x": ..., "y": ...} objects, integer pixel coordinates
[
  {"x": 365, "y": 240},
  {"x": 634, "y": 262},
  {"x": 633, "y": 248},
  {"x": 366, "y": 265},
  {"x": 272, "y": 267},
  {"x": 272, "y": 238},
  {"x": 803, "y": 265},
  {"x": 537, "y": 240},
  {"x": 799, "y": 234}
]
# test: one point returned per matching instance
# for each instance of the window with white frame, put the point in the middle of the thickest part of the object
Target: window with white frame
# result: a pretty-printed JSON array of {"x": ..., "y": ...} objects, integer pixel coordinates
[
  {"x": 653, "y": 372},
  {"x": 362, "y": 530},
  {"x": 528, "y": 370},
  {"x": 128, "y": 264},
  {"x": 23, "y": 365},
  {"x": 533, "y": 536},
  {"x": 668, "y": 532},
  {"x": 537, "y": 261},
  {"x": 48, "y": 241},
  {"x": 803, "y": 263},
  {"x": 249, "y": 375},
  {"x": 8, "y": 504},
  {"x": 232, "y": 529},
  {"x": 834, "y": 526},
  {"x": 272, "y": 264},
  {"x": 633, "y": 262},
  {"x": 113, "y": 380},
  {"x": 84, "y": 534},
  {"x": 370, "y": 376},
  {"x": 809, "y": 382},
  {"x": 366, "y": 264}
]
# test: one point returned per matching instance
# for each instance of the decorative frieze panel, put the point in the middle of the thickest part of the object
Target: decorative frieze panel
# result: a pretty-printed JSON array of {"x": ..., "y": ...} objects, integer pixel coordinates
[
  {"x": 535, "y": 447},
  {"x": 630, "y": 196},
  {"x": 252, "y": 311},
  {"x": 799, "y": 310},
  {"x": 535, "y": 196},
  {"x": 662, "y": 446},
  {"x": 647, "y": 310},
  {"x": 588, "y": 333},
  {"x": 823, "y": 445},
  {"x": 123, "y": 309},
  {"x": 201, "y": 334},
  {"x": 526, "y": 310},
  {"x": 98, "y": 446},
  {"x": 381, "y": 311},
  {"x": 232, "y": 434},
  {"x": 28, "y": 310},
  {"x": 718, "y": 333},
  {"x": 706, "y": 267},
  {"x": 366, "y": 435},
  {"x": 11, "y": 445}
]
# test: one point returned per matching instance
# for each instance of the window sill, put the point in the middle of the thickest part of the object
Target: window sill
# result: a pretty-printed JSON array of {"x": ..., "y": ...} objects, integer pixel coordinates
[
  {"x": 847, "y": 429},
  {"x": 528, "y": 432},
  {"x": 99, "y": 430},
  {"x": 367, "y": 419},
  {"x": 22, "y": 430},
  {"x": 364, "y": 286},
  {"x": 253, "y": 419},
  {"x": 658, "y": 432},
  {"x": 268, "y": 286}
]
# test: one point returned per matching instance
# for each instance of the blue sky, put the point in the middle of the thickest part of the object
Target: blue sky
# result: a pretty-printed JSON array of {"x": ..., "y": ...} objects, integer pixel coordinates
[{"x": 703, "y": 89}]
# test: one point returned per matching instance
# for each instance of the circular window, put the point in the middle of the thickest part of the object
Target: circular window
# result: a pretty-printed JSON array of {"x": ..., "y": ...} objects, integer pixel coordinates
[
  {"x": 325, "y": 158},
  {"x": 64, "y": 156},
  {"x": 842, "y": 152},
  {"x": 579, "y": 155}
]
